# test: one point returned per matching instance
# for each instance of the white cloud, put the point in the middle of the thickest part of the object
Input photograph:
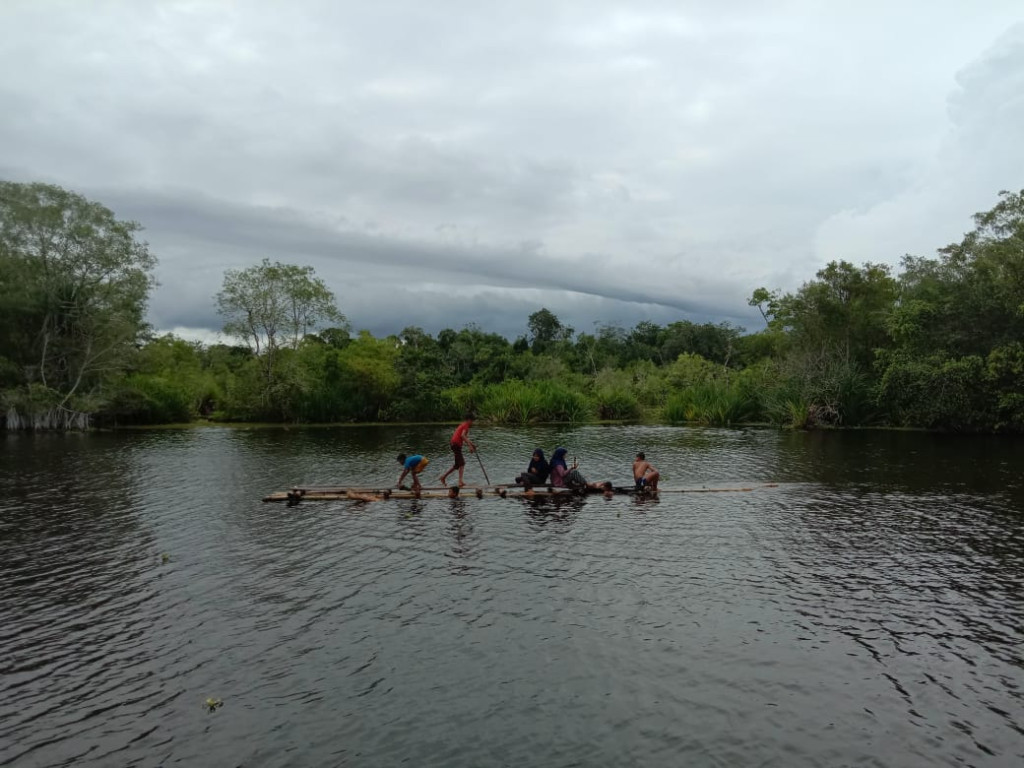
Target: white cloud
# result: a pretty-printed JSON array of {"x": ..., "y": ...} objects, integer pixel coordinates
[{"x": 980, "y": 154}]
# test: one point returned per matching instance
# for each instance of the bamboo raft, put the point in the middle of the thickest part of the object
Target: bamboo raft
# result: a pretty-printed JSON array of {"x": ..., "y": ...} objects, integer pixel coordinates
[{"x": 336, "y": 493}]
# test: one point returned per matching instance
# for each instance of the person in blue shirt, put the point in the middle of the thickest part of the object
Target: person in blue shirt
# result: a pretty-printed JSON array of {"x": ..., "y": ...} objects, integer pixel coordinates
[{"x": 414, "y": 465}]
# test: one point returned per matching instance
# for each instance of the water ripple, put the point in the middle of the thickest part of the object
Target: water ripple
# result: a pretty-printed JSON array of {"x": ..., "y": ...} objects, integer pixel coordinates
[{"x": 866, "y": 611}]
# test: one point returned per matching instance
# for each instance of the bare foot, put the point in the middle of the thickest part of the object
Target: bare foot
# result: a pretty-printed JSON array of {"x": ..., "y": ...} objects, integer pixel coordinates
[
  {"x": 461, "y": 484},
  {"x": 443, "y": 481}
]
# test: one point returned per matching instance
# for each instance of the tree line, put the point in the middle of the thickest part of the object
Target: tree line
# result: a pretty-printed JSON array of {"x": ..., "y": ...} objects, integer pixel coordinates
[{"x": 938, "y": 344}]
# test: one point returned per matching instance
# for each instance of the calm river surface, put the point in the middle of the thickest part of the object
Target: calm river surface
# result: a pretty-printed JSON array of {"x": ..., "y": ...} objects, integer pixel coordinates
[{"x": 867, "y": 611}]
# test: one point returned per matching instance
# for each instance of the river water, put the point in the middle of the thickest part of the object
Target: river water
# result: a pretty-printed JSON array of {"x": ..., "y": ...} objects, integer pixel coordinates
[{"x": 868, "y": 610}]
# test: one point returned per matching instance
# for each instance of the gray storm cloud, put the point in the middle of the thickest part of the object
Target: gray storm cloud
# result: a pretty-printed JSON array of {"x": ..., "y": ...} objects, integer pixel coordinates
[{"x": 444, "y": 164}]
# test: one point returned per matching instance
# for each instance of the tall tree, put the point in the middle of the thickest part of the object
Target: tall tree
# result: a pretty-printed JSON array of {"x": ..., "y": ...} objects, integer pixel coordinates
[
  {"x": 546, "y": 328},
  {"x": 272, "y": 306},
  {"x": 845, "y": 307},
  {"x": 971, "y": 298},
  {"x": 644, "y": 342},
  {"x": 710, "y": 341},
  {"x": 472, "y": 354},
  {"x": 74, "y": 281},
  {"x": 958, "y": 359}
]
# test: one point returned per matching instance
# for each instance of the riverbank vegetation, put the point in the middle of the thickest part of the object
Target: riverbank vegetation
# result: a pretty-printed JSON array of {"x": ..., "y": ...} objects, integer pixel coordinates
[{"x": 938, "y": 344}]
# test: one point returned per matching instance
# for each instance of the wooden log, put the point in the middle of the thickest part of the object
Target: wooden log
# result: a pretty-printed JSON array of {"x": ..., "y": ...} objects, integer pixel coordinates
[
  {"x": 357, "y": 496},
  {"x": 381, "y": 489},
  {"x": 295, "y": 495}
]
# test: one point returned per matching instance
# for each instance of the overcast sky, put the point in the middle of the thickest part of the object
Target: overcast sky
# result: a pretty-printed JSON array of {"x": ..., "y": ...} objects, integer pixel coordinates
[{"x": 441, "y": 163}]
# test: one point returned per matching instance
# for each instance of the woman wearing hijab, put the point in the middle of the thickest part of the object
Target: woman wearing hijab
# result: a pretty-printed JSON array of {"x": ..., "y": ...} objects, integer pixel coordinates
[
  {"x": 537, "y": 472},
  {"x": 559, "y": 469},
  {"x": 564, "y": 476}
]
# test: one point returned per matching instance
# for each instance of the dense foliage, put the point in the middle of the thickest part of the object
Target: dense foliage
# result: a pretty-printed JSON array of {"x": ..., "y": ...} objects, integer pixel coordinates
[
  {"x": 73, "y": 287},
  {"x": 938, "y": 345}
]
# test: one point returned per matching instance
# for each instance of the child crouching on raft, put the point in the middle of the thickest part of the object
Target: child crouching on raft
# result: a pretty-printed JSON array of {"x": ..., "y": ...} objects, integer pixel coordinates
[{"x": 414, "y": 464}]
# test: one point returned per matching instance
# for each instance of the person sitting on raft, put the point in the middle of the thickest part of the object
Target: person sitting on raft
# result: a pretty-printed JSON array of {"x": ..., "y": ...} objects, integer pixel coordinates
[
  {"x": 563, "y": 476},
  {"x": 537, "y": 472},
  {"x": 559, "y": 469},
  {"x": 577, "y": 483},
  {"x": 575, "y": 480},
  {"x": 644, "y": 474},
  {"x": 414, "y": 464}
]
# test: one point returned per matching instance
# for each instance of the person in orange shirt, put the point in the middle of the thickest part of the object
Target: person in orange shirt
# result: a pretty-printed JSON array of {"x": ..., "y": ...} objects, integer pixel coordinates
[{"x": 460, "y": 437}]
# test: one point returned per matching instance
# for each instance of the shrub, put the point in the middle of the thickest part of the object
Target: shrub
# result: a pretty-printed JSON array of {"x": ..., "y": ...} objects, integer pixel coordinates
[{"x": 712, "y": 402}]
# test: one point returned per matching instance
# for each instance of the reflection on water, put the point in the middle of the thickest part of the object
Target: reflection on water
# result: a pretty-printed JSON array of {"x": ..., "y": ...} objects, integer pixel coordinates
[
  {"x": 868, "y": 610},
  {"x": 557, "y": 513},
  {"x": 461, "y": 531}
]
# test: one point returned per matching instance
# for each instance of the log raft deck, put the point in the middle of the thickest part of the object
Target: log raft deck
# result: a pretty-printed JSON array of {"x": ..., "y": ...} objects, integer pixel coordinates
[{"x": 334, "y": 493}]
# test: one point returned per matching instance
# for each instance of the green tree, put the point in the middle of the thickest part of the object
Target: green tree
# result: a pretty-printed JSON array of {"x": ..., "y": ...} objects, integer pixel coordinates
[
  {"x": 368, "y": 376},
  {"x": 970, "y": 299},
  {"x": 272, "y": 307},
  {"x": 828, "y": 336},
  {"x": 335, "y": 337},
  {"x": 845, "y": 307},
  {"x": 167, "y": 383},
  {"x": 938, "y": 393},
  {"x": 767, "y": 303},
  {"x": 74, "y": 282},
  {"x": 473, "y": 355},
  {"x": 712, "y": 342},
  {"x": 423, "y": 374},
  {"x": 546, "y": 329},
  {"x": 957, "y": 328},
  {"x": 606, "y": 348},
  {"x": 644, "y": 342}
]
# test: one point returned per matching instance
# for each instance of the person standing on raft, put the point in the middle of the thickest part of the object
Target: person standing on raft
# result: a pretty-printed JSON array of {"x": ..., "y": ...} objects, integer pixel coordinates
[
  {"x": 460, "y": 437},
  {"x": 412, "y": 464},
  {"x": 644, "y": 474}
]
